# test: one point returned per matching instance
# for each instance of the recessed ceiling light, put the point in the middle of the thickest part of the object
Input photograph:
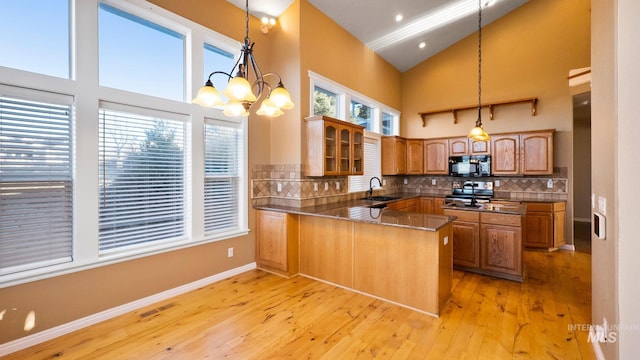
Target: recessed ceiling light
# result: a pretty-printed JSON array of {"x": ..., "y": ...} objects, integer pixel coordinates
[
  {"x": 422, "y": 45},
  {"x": 446, "y": 15},
  {"x": 399, "y": 17}
]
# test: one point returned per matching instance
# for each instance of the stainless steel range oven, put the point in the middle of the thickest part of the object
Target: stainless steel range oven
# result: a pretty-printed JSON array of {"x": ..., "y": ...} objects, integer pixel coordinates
[{"x": 469, "y": 192}]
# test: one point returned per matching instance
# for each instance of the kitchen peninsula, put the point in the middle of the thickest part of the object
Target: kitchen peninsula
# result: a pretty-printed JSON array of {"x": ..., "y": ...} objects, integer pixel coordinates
[
  {"x": 401, "y": 257},
  {"x": 372, "y": 247}
]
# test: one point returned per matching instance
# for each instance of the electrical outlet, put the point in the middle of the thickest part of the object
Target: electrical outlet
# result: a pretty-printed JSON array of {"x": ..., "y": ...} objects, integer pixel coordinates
[
  {"x": 550, "y": 184},
  {"x": 602, "y": 205},
  {"x": 279, "y": 187},
  {"x": 446, "y": 240},
  {"x": 496, "y": 183},
  {"x": 315, "y": 186},
  {"x": 230, "y": 252},
  {"x": 406, "y": 181},
  {"x": 326, "y": 186},
  {"x": 337, "y": 185},
  {"x": 433, "y": 182},
  {"x": 384, "y": 182}
]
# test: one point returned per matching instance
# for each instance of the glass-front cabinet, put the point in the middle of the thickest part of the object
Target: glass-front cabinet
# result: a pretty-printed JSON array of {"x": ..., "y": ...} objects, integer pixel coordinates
[{"x": 334, "y": 147}]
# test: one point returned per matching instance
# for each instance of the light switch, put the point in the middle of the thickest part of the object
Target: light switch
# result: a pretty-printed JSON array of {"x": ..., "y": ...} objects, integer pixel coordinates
[
  {"x": 602, "y": 205},
  {"x": 446, "y": 240},
  {"x": 433, "y": 182},
  {"x": 406, "y": 181},
  {"x": 550, "y": 184},
  {"x": 337, "y": 185},
  {"x": 279, "y": 187},
  {"x": 384, "y": 182},
  {"x": 326, "y": 186},
  {"x": 496, "y": 183},
  {"x": 315, "y": 186}
]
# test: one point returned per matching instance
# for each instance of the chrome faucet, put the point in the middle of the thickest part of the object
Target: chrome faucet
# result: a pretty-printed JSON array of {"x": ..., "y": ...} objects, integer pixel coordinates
[{"x": 370, "y": 191}]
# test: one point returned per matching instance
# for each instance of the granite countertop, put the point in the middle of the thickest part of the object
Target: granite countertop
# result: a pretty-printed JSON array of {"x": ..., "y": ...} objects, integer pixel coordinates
[
  {"x": 367, "y": 211},
  {"x": 362, "y": 211},
  {"x": 493, "y": 208}
]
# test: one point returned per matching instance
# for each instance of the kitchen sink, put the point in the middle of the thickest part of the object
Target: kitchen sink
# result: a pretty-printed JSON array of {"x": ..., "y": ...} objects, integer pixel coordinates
[{"x": 381, "y": 198}]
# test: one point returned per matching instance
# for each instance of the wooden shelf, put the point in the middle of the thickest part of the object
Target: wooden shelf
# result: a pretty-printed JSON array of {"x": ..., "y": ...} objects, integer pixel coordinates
[{"x": 533, "y": 101}]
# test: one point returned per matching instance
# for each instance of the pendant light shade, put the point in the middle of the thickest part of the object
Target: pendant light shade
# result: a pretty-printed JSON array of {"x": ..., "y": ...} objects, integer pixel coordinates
[{"x": 240, "y": 91}]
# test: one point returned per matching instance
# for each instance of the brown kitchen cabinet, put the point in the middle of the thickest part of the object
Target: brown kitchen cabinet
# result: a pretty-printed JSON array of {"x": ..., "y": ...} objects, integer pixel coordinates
[
  {"x": 438, "y": 202},
  {"x": 415, "y": 163},
  {"x": 505, "y": 151},
  {"x": 277, "y": 242},
  {"x": 394, "y": 155},
  {"x": 466, "y": 238},
  {"x": 529, "y": 153},
  {"x": 425, "y": 205},
  {"x": 458, "y": 146},
  {"x": 436, "y": 157},
  {"x": 501, "y": 244},
  {"x": 410, "y": 205},
  {"x": 479, "y": 147},
  {"x": 334, "y": 147},
  {"x": 545, "y": 225},
  {"x": 537, "y": 153},
  {"x": 488, "y": 243}
]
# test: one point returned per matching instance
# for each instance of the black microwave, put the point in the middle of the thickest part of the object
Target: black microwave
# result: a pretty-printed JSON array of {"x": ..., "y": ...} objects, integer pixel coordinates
[{"x": 470, "y": 165}]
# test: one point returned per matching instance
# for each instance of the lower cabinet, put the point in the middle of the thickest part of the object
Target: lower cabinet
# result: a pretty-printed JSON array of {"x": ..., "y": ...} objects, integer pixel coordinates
[
  {"x": 410, "y": 205},
  {"x": 545, "y": 225},
  {"x": 501, "y": 249},
  {"x": 488, "y": 243},
  {"x": 277, "y": 242}
]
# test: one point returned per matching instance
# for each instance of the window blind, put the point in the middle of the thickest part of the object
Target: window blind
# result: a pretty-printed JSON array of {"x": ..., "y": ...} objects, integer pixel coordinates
[
  {"x": 141, "y": 179},
  {"x": 371, "y": 166},
  {"x": 223, "y": 152},
  {"x": 35, "y": 184}
]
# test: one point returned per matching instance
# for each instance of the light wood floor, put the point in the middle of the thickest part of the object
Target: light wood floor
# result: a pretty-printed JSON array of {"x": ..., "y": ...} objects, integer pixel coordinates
[{"x": 257, "y": 315}]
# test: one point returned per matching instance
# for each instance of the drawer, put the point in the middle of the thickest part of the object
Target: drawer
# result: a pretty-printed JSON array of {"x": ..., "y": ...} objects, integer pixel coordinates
[
  {"x": 539, "y": 206},
  {"x": 501, "y": 219},
  {"x": 559, "y": 206},
  {"x": 470, "y": 216}
]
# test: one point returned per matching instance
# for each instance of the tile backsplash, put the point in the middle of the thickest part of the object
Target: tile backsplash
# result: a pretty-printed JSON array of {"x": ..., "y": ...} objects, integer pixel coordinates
[{"x": 286, "y": 185}]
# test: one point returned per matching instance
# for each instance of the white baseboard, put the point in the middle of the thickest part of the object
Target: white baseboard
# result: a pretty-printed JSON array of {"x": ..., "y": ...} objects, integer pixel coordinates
[
  {"x": 583, "y": 220},
  {"x": 569, "y": 247},
  {"x": 31, "y": 340}
]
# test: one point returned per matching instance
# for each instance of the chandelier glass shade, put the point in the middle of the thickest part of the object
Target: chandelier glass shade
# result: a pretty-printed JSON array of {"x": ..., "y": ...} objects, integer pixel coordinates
[
  {"x": 240, "y": 92},
  {"x": 478, "y": 133}
]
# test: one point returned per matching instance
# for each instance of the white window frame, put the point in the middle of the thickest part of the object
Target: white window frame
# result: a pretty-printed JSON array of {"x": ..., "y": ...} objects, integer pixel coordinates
[
  {"x": 83, "y": 87},
  {"x": 345, "y": 95}
]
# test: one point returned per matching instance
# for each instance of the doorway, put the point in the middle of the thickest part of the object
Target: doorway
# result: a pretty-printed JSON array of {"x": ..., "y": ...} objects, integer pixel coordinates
[{"x": 582, "y": 171}]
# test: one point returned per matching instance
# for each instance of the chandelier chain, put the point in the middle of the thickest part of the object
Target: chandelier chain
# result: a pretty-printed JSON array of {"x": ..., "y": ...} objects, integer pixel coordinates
[{"x": 479, "y": 58}]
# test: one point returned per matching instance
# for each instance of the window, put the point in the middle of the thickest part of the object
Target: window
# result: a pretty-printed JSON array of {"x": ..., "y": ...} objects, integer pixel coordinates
[
  {"x": 142, "y": 178},
  {"x": 39, "y": 36},
  {"x": 35, "y": 182},
  {"x": 124, "y": 37},
  {"x": 337, "y": 101},
  {"x": 325, "y": 102},
  {"x": 223, "y": 169},
  {"x": 387, "y": 124},
  {"x": 361, "y": 114},
  {"x": 371, "y": 165}
]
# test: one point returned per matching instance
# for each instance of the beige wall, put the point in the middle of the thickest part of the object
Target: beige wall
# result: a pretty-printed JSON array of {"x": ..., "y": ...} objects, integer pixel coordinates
[{"x": 525, "y": 54}]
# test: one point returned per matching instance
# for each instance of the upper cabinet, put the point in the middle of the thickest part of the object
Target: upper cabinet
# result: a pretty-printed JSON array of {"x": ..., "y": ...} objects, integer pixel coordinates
[
  {"x": 394, "y": 155},
  {"x": 537, "y": 153},
  {"x": 479, "y": 147},
  {"x": 334, "y": 147},
  {"x": 436, "y": 157},
  {"x": 529, "y": 153},
  {"x": 459, "y": 146},
  {"x": 505, "y": 151},
  {"x": 415, "y": 163}
]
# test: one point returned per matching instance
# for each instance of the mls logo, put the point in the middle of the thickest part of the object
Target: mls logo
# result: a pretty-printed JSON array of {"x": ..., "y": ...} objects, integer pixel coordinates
[{"x": 600, "y": 334}]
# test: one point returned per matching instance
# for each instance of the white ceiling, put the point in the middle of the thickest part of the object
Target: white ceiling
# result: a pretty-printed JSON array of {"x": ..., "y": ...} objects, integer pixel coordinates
[{"x": 373, "y": 22}]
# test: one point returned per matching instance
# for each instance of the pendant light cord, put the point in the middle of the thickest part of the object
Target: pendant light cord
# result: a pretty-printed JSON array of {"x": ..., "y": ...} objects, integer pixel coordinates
[
  {"x": 246, "y": 23},
  {"x": 479, "y": 121}
]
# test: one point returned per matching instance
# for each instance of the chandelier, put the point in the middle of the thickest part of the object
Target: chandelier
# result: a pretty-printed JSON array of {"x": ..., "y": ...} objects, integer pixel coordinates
[
  {"x": 478, "y": 133},
  {"x": 239, "y": 91}
]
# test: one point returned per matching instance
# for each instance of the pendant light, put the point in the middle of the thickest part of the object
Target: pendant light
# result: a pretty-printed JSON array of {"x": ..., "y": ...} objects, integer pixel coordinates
[
  {"x": 239, "y": 90},
  {"x": 478, "y": 133}
]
